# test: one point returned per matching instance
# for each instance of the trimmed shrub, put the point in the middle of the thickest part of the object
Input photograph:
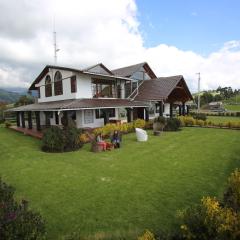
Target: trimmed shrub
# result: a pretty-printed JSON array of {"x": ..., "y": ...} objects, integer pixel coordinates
[
  {"x": 139, "y": 123},
  {"x": 71, "y": 138},
  {"x": 172, "y": 124},
  {"x": 200, "y": 122},
  {"x": 187, "y": 121},
  {"x": 124, "y": 128},
  {"x": 56, "y": 139},
  {"x": 53, "y": 140},
  {"x": 16, "y": 220},
  {"x": 199, "y": 116}
]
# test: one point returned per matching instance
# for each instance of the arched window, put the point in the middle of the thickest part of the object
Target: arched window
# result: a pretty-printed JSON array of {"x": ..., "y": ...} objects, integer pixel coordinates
[
  {"x": 48, "y": 86},
  {"x": 58, "y": 88}
]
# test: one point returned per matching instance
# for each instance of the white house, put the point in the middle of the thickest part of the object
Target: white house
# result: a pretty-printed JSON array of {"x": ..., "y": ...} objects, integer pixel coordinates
[{"x": 96, "y": 95}]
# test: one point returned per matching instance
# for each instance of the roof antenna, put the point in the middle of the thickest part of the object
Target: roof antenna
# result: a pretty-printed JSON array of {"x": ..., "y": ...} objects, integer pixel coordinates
[{"x": 55, "y": 42}]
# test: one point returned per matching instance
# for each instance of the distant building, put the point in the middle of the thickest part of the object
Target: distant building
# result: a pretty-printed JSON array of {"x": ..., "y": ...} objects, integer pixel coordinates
[{"x": 216, "y": 106}]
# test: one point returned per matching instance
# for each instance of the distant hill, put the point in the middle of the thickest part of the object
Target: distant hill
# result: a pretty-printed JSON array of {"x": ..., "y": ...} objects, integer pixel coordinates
[{"x": 9, "y": 96}]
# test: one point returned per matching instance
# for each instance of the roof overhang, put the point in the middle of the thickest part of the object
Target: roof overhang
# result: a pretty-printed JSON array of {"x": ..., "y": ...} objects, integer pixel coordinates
[{"x": 80, "y": 104}]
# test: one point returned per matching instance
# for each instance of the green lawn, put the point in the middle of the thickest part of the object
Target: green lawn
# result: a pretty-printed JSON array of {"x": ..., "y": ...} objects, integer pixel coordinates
[
  {"x": 124, "y": 191},
  {"x": 232, "y": 107},
  {"x": 222, "y": 119}
]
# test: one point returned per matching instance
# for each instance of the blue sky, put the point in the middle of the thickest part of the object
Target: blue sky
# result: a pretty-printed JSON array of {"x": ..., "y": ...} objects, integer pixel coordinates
[{"x": 201, "y": 26}]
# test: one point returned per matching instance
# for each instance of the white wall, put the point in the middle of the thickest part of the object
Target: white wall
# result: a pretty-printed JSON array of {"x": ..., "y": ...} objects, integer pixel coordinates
[
  {"x": 66, "y": 87},
  {"x": 84, "y": 86},
  {"x": 96, "y": 122}
]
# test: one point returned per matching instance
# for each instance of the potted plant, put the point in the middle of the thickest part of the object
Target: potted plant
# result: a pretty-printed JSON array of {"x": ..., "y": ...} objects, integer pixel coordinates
[{"x": 158, "y": 125}]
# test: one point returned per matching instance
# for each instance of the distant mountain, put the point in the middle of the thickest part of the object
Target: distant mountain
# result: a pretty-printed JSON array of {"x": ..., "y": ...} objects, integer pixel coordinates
[
  {"x": 19, "y": 90},
  {"x": 9, "y": 96}
]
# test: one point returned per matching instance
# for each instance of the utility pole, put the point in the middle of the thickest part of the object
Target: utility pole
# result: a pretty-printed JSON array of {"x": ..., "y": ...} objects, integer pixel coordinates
[{"x": 199, "y": 79}]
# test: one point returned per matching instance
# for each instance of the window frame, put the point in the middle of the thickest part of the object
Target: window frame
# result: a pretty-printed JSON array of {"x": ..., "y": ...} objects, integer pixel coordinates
[
  {"x": 58, "y": 85},
  {"x": 48, "y": 86},
  {"x": 73, "y": 82}
]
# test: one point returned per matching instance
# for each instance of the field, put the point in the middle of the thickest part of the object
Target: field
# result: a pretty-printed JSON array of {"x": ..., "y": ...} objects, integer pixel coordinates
[
  {"x": 230, "y": 107},
  {"x": 122, "y": 192}
]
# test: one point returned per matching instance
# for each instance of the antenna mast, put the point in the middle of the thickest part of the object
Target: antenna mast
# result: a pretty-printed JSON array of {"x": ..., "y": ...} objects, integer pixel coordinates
[{"x": 55, "y": 43}]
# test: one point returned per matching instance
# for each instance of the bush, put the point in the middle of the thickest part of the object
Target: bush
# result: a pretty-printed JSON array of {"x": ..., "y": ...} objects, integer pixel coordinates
[
  {"x": 232, "y": 194},
  {"x": 84, "y": 138},
  {"x": 71, "y": 138},
  {"x": 53, "y": 139},
  {"x": 199, "y": 116},
  {"x": 16, "y": 220},
  {"x": 8, "y": 124},
  {"x": 109, "y": 128},
  {"x": 139, "y": 123},
  {"x": 147, "y": 235},
  {"x": 210, "y": 220},
  {"x": 56, "y": 139},
  {"x": 159, "y": 123},
  {"x": 172, "y": 124},
  {"x": 187, "y": 121}
]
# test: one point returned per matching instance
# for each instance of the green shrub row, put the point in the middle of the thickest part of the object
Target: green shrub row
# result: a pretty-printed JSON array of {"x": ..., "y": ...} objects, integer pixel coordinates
[
  {"x": 124, "y": 127},
  {"x": 190, "y": 121},
  {"x": 222, "y": 114}
]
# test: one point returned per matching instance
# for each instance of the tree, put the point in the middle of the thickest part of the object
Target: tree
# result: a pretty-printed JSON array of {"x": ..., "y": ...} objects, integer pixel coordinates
[{"x": 24, "y": 100}]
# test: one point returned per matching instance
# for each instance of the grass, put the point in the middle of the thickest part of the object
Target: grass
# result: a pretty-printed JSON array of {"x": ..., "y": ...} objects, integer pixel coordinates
[
  {"x": 222, "y": 119},
  {"x": 230, "y": 107},
  {"x": 122, "y": 192}
]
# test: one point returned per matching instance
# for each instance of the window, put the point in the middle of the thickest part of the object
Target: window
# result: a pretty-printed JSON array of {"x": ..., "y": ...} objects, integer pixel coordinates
[
  {"x": 57, "y": 118},
  {"x": 73, "y": 84},
  {"x": 48, "y": 86},
  {"x": 39, "y": 92},
  {"x": 88, "y": 116},
  {"x": 58, "y": 88},
  {"x": 100, "y": 112}
]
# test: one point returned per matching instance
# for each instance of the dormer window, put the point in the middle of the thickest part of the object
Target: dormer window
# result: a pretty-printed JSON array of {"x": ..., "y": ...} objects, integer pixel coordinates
[
  {"x": 58, "y": 88},
  {"x": 48, "y": 86}
]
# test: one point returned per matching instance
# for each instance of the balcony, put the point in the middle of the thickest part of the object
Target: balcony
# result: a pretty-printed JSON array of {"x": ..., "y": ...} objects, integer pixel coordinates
[{"x": 102, "y": 88}]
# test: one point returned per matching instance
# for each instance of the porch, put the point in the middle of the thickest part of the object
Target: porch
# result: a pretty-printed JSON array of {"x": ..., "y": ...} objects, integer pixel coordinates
[{"x": 28, "y": 132}]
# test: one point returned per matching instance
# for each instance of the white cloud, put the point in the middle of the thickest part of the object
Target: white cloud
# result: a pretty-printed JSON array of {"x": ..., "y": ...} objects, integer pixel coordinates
[{"x": 98, "y": 31}]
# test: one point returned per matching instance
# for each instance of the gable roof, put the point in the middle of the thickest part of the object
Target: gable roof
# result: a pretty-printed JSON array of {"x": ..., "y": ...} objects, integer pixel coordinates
[
  {"x": 161, "y": 88},
  {"x": 130, "y": 70},
  {"x": 46, "y": 70},
  {"x": 84, "y": 71},
  {"x": 98, "y": 68}
]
